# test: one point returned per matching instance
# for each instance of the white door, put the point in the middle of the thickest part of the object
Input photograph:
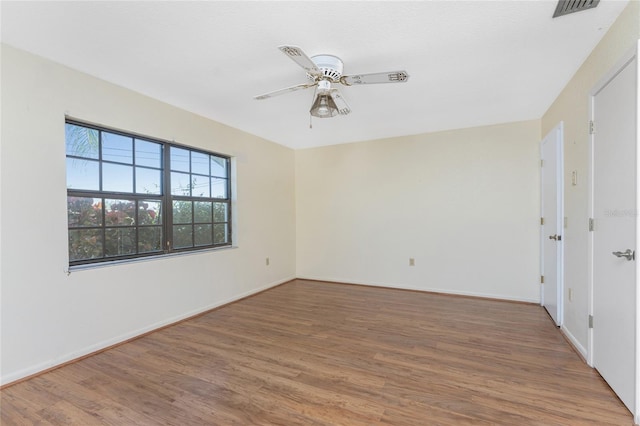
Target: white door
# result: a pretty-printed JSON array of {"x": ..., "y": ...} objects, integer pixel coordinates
[
  {"x": 614, "y": 113},
  {"x": 552, "y": 185}
]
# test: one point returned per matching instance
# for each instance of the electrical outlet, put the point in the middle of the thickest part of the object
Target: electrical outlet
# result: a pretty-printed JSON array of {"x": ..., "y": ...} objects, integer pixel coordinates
[
  {"x": 266, "y": 262},
  {"x": 412, "y": 261}
]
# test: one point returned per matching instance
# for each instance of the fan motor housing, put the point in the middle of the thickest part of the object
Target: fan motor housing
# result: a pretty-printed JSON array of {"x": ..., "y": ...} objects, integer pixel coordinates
[{"x": 330, "y": 66}]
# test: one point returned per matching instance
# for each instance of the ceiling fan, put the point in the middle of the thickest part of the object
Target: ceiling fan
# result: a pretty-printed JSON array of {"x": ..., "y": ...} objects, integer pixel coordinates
[{"x": 325, "y": 70}]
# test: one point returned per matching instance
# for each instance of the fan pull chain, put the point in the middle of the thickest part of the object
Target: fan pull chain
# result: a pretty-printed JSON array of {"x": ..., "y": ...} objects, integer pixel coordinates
[{"x": 310, "y": 124}]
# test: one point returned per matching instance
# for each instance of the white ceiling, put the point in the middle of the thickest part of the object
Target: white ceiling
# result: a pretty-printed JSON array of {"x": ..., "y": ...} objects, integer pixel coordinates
[{"x": 470, "y": 63}]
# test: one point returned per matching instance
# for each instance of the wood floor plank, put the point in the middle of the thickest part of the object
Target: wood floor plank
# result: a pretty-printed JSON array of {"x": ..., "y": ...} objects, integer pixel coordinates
[{"x": 316, "y": 353}]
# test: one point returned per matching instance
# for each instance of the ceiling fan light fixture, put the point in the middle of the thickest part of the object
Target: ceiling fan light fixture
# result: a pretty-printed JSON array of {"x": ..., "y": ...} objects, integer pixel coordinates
[{"x": 324, "y": 106}]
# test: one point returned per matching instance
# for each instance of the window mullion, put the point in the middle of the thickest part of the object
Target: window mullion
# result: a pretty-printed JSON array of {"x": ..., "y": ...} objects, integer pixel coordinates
[
  {"x": 104, "y": 226},
  {"x": 100, "y": 180},
  {"x": 167, "y": 199},
  {"x": 193, "y": 204},
  {"x": 134, "y": 169}
]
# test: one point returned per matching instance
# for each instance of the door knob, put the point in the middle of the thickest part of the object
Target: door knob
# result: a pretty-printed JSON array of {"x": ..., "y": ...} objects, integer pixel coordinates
[
  {"x": 555, "y": 237},
  {"x": 627, "y": 254}
]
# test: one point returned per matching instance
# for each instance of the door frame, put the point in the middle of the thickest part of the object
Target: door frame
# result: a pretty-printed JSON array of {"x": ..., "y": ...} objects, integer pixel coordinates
[
  {"x": 629, "y": 56},
  {"x": 558, "y": 130}
]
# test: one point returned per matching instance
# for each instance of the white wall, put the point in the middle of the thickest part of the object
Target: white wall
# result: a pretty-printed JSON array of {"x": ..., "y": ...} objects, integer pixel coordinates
[
  {"x": 463, "y": 203},
  {"x": 572, "y": 107},
  {"x": 48, "y": 317}
]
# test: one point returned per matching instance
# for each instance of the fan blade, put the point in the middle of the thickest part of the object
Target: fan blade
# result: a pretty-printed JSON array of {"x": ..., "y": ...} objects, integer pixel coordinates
[
  {"x": 375, "y": 78},
  {"x": 300, "y": 58},
  {"x": 343, "y": 107},
  {"x": 283, "y": 91}
]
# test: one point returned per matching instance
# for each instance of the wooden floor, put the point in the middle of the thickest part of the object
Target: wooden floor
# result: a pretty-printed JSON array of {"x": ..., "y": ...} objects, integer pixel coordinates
[{"x": 329, "y": 354}]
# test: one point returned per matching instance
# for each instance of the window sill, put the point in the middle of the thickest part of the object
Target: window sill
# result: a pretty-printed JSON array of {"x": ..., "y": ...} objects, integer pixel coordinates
[{"x": 69, "y": 269}]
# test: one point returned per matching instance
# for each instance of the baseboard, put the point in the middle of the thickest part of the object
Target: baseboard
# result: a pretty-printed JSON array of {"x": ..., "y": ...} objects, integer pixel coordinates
[
  {"x": 424, "y": 289},
  {"x": 574, "y": 342},
  {"x": 18, "y": 376}
]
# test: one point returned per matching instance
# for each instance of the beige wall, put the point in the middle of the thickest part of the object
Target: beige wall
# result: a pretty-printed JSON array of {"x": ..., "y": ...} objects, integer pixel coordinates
[
  {"x": 463, "y": 203},
  {"x": 49, "y": 317},
  {"x": 572, "y": 107}
]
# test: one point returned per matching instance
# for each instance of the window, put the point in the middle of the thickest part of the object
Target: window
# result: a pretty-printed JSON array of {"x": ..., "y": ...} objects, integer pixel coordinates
[{"x": 130, "y": 196}]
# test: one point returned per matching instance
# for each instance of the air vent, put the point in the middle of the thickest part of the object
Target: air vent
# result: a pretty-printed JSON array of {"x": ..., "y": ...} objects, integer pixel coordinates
[{"x": 566, "y": 7}]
